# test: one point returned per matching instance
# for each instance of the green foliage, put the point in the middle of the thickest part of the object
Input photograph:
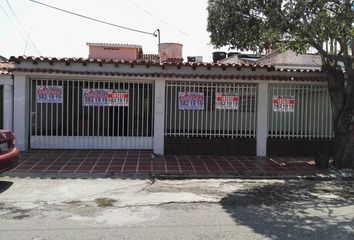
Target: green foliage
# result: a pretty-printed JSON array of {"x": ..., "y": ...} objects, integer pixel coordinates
[
  {"x": 231, "y": 24},
  {"x": 286, "y": 24}
]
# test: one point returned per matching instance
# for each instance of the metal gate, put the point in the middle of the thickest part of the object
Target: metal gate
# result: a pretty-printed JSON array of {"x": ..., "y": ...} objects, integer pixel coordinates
[
  {"x": 310, "y": 117},
  {"x": 68, "y": 123},
  {"x": 211, "y": 122}
]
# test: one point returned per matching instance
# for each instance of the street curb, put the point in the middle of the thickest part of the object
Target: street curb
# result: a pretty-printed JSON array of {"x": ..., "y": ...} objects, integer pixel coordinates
[
  {"x": 313, "y": 177},
  {"x": 174, "y": 176}
]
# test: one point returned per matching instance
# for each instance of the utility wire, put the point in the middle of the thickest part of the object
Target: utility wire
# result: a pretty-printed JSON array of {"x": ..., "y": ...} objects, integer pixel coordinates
[
  {"x": 158, "y": 18},
  {"x": 14, "y": 25},
  {"x": 93, "y": 19},
  {"x": 22, "y": 27}
]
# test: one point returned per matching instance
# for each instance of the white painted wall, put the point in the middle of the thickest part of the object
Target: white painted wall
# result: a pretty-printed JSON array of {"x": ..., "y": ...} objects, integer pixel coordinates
[
  {"x": 8, "y": 106},
  {"x": 90, "y": 142},
  {"x": 262, "y": 124},
  {"x": 159, "y": 117},
  {"x": 21, "y": 111},
  {"x": 21, "y": 90}
]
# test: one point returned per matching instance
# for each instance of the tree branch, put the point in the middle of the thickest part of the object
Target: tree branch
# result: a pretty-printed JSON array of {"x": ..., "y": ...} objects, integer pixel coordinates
[{"x": 338, "y": 58}]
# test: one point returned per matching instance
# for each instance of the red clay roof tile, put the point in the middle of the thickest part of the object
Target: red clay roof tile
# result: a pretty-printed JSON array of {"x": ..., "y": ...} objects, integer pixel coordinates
[
  {"x": 177, "y": 75},
  {"x": 138, "y": 62}
]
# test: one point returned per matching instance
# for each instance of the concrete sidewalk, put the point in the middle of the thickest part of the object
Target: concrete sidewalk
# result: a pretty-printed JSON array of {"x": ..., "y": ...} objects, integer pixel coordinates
[{"x": 138, "y": 163}]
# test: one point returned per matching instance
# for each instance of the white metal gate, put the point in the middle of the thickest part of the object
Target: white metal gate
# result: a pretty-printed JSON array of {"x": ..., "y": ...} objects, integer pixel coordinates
[
  {"x": 310, "y": 118},
  {"x": 211, "y": 121},
  {"x": 73, "y": 125}
]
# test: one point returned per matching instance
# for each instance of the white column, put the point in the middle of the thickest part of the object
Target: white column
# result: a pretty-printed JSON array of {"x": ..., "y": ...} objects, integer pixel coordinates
[
  {"x": 8, "y": 106},
  {"x": 159, "y": 117},
  {"x": 262, "y": 119},
  {"x": 21, "y": 111}
]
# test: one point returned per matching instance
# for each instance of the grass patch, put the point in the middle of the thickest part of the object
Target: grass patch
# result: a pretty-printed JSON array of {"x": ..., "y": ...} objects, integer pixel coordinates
[{"x": 105, "y": 202}]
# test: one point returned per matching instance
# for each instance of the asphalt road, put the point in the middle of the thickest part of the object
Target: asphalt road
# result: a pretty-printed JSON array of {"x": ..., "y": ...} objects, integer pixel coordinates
[{"x": 185, "y": 209}]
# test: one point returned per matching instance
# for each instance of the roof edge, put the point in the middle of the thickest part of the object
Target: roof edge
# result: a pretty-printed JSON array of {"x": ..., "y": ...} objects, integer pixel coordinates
[
  {"x": 152, "y": 62},
  {"x": 123, "y": 45}
]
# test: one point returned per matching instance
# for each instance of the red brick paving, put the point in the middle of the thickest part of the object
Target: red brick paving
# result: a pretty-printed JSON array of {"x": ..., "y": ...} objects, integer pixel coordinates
[{"x": 140, "y": 162}]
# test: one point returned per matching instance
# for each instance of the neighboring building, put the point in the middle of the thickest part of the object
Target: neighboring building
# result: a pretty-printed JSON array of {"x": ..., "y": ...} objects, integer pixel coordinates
[
  {"x": 240, "y": 58},
  {"x": 124, "y": 52},
  {"x": 108, "y": 51},
  {"x": 291, "y": 60},
  {"x": 280, "y": 60}
]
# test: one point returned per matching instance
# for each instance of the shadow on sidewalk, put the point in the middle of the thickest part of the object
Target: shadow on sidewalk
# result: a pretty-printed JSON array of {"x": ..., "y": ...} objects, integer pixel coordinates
[{"x": 295, "y": 210}]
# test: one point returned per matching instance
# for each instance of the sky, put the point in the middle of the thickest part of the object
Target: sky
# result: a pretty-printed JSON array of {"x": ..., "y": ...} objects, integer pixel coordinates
[{"x": 58, "y": 34}]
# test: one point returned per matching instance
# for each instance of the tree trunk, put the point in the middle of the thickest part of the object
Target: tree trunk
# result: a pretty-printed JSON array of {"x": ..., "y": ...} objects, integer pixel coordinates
[
  {"x": 342, "y": 98},
  {"x": 343, "y": 145}
]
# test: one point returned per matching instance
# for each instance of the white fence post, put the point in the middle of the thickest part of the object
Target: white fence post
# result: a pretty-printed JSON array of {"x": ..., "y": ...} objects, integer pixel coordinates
[
  {"x": 262, "y": 124},
  {"x": 8, "y": 106},
  {"x": 159, "y": 117},
  {"x": 21, "y": 111}
]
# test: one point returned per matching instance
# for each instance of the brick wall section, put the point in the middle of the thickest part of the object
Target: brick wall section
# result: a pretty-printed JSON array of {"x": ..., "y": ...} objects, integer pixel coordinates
[
  {"x": 210, "y": 146},
  {"x": 295, "y": 147}
]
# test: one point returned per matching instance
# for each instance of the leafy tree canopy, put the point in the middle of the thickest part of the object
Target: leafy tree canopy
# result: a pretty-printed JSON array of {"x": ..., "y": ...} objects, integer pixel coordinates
[{"x": 287, "y": 24}]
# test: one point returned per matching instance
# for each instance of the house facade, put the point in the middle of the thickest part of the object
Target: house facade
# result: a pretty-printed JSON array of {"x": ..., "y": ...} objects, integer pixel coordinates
[{"x": 170, "y": 108}]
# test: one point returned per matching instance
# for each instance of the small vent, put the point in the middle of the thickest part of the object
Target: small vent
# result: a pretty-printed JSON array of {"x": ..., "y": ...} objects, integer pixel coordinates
[{"x": 111, "y": 48}]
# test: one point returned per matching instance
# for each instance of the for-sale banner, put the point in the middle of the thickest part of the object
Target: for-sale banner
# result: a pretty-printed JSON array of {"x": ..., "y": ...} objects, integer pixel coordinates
[
  {"x": 283, "y": 103},
  {"x": 190, "y": 101},
  {"x": 49, "y": 94},
  {"x": 105, "y": 97},
  {"x": 226, "y": 101}
]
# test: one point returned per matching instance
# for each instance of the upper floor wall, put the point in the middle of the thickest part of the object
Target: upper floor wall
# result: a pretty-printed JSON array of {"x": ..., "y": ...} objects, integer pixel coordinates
[
  {"x": 126, "y": 52},
  {"x": 290, "y": 59}
]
